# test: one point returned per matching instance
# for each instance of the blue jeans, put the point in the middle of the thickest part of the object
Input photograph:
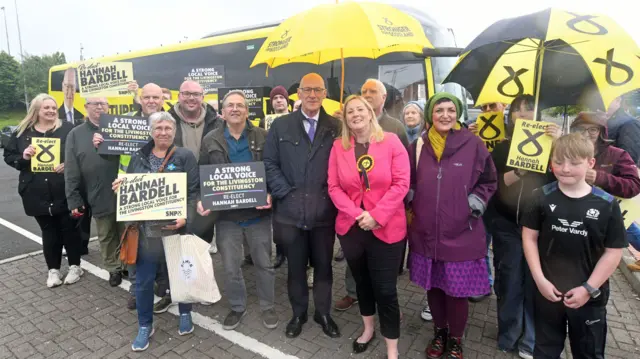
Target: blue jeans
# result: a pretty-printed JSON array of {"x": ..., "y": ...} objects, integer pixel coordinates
[
  {"x": 486, "y": 220},
  {"x": 514, "y": 287},
  {"x": 633, "y": 236},
  {"x": 150, "y": 254},
  {"x": 487, "y": 259}
]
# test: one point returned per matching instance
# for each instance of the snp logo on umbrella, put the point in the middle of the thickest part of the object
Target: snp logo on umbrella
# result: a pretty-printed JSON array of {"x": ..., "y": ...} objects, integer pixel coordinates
[
  {"x": 281, "y": 44},
  {"x": 395, "y": 31}
]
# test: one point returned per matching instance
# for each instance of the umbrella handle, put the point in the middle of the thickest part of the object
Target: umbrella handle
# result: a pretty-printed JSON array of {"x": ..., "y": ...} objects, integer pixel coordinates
[
  {"x": 538, "y": 81},
  {"x": 342, "y": 77}
]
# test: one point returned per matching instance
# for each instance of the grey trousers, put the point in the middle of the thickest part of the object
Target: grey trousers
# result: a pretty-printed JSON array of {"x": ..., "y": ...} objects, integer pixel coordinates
[{"x": 229, "y": 237}]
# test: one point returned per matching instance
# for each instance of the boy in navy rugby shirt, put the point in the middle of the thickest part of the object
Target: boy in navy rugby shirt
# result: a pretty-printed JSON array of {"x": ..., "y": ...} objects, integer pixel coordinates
[{"x": 573, "y": 235}]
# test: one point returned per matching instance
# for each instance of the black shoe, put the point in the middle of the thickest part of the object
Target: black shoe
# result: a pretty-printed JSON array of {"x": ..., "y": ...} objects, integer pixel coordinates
[
  {"x": 329, "y": 327},
  {"x": 115, "y": 279},
  {"x": 125, "y": 274},
  {"x": 131, "y": 302},
  {"x": 362, "y": 347},
  {"x": 294, "y": 328},
  {"x": 248, "y": 260},
  {"x": 279, "y": 261}
]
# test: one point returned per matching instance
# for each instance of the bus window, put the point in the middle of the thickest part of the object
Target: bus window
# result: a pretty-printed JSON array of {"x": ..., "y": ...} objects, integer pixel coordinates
[{"x": 405, "y": 82}]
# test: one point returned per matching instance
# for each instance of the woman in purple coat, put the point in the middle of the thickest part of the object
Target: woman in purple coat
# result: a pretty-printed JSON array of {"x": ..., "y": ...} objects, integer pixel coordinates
[{"x": 452, "y": 179}]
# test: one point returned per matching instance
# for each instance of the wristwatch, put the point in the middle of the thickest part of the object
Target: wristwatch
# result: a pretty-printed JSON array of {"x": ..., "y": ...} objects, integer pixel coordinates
[{"x": 593, "y": 292}]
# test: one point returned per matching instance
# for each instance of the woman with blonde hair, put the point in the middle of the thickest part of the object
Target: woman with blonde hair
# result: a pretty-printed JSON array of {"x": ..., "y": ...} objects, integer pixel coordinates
[
  {"x": 43, "y": 194},
  {"x": 368, "y": 180}
]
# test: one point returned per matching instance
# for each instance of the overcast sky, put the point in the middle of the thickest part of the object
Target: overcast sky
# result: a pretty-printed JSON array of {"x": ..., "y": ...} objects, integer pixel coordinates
[{"x": 116, "y": 26}]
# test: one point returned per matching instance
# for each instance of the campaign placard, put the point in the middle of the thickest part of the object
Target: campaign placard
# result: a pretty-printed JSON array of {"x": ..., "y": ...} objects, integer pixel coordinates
[
  {"x": 104, "y": 79},
  {"x": 209, "y": 78},
  {"x": 47, "y": 156},
  {"x": 491, "y": 128},
  {"x": 233, "y": 186},
  {"x": 152, "y": 196},
  {"x": 630, "y": 209},
  {"x": 530, "y": 147},
  {"x": 123, "y": 135},
  {"x": 254, "y": 96},
  {"x": 268, "y": 120}
]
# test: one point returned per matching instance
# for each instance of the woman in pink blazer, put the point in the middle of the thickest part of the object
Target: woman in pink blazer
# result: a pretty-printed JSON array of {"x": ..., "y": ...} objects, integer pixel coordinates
[{"x": 368, "y": 180}]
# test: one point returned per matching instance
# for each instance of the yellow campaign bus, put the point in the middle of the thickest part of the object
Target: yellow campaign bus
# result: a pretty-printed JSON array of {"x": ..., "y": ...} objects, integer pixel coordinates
[{"x": 228, "y": 55}]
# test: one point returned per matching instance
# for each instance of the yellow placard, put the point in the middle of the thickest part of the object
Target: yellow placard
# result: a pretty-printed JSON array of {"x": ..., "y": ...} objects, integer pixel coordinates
[
  {"x": 530, "y": 147},
  {"x": 152, "y": 196},
  {"x": 630, "y": 208},
  {"x": 491, "y": 128},
  {"x": 47, "y": 156},
  {"x": 104, "y": 79}
]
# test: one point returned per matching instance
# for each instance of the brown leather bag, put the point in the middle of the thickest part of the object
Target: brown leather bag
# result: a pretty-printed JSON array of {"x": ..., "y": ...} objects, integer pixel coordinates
[{"x": 129, "y": 238}]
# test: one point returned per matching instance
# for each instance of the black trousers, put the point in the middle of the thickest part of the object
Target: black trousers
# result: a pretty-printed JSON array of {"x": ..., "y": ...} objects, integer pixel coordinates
[
  {"x": 374, "y": 265},
  {"x": 202, "y": 227},
  {"x": 59, "y": 231},
  {"x": 587, "y": 328},
  {"x": 300, "y": 246}
]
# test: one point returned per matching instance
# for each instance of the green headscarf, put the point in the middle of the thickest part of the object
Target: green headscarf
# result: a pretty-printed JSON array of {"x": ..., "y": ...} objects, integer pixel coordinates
[{"x": 431, "y": 103}]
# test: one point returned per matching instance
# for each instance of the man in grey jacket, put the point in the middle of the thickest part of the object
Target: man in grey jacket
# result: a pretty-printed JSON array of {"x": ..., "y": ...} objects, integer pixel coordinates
[{"x": 86, "y": 170}]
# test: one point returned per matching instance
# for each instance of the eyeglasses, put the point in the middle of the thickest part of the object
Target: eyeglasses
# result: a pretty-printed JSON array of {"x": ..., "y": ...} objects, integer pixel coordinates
[
  {"x": 103, "y": 104},
  {"x": 231, "y": 106},
  {"x": 163, "y": 129},
  {"x": 489, "y": 107},
  {"x": 188, "y": 94},
  {"x": 590, "y": 130},
  {"x": 308, "y": 90}
]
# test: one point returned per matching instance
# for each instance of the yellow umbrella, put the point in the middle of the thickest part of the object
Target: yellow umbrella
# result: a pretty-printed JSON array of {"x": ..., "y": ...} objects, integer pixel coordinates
[{"x": 335, "y": 31}]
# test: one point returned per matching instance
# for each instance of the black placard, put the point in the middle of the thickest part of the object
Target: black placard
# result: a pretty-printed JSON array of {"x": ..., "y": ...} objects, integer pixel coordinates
[
  {"x": 233, "y": 186},
  {"x": 254, "y": 96},
  {"x": 123, "y": 135}
]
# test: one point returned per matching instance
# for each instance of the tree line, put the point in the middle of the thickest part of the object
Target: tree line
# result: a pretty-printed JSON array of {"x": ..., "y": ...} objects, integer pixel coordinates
[{"x": 36, "y": 76}]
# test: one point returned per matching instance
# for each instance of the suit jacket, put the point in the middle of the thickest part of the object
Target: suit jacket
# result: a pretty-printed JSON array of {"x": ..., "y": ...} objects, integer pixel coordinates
[
  {"x": 388, "y": 183},
  {"x": 77, "y": 116},
  {"x": 296, "y": 170}
]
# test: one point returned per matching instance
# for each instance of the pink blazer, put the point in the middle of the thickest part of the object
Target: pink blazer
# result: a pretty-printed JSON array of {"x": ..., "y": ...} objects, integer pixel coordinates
[{"x": 389, "y": 183}]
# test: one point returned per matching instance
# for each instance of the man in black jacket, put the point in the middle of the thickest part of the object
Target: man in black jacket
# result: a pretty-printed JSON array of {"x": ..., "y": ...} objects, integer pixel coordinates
[
  {"x": 296, "y": 159},
  {"x": 240, "y": 142},
  {"x": 194, "y": 120}
]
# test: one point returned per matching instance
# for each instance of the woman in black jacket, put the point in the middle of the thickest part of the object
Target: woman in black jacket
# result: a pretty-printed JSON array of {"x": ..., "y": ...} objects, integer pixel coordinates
[{"x": 43, "y": 195}]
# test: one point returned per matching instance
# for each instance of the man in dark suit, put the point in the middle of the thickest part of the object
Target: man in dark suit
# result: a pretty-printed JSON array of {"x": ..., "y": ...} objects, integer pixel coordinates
[
  {"x": 66, "y": 111},
  {"x": 296, "y": 159}
]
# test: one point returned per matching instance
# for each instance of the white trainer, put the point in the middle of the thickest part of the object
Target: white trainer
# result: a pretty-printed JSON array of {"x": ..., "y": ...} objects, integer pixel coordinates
[
  {"x": 213, "y": 249},
  {"x": 55, "y": 278},
  {"x": 74, "y": 275},
  {"x": 426, "y": 314}
]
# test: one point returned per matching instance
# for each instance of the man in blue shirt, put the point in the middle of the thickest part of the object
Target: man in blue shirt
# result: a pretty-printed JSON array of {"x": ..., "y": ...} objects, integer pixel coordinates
[{"x": 239, "y": 142}]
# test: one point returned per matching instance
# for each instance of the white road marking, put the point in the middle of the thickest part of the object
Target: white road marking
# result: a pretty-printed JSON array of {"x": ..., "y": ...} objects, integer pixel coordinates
[
  {"x": 203, "y": 321},
  {"x": 22, "y": 256}
]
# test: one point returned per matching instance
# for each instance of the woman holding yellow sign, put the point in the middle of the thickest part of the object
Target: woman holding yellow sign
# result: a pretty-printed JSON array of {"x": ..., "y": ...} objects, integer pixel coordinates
[
  {"x": 36, "y": 149},
  {"x": 160, "y": 155}
]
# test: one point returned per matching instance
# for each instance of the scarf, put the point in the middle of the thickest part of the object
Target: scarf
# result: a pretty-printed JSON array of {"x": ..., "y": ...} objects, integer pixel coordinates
[{"x": 438, "y": 141}]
